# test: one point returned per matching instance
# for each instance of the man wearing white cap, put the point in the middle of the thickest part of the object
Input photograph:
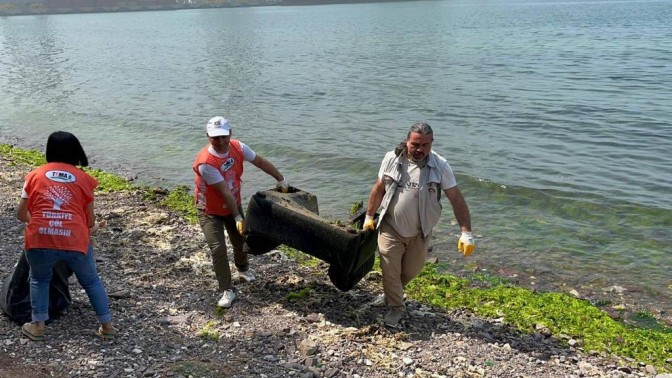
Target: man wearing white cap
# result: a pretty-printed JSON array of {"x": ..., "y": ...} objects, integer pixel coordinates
[{"x": 218, "y": 168}]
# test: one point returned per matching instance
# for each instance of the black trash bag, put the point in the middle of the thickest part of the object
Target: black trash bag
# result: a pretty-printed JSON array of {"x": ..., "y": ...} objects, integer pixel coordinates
[{"x": 15, "y": 292}]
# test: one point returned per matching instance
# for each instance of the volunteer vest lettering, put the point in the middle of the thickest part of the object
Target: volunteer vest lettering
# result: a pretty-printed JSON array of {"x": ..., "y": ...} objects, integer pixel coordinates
[{"x": 58, "y": 195}]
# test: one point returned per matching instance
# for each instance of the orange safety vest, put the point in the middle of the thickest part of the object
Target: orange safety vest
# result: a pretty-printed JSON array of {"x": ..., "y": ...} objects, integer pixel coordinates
[
  {"x": 231, "y": 168},
  {"x": 58, "y": 195}
]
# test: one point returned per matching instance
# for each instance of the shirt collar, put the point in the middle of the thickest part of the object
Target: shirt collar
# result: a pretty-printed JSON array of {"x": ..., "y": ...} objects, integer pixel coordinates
[
  {"x": 212, "y": 151},
  {"x": 431, "y": 159}
]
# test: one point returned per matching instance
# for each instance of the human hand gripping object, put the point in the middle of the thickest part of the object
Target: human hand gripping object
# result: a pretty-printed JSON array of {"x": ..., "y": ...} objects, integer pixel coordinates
[
  {"x": 283, "y": 186},
  {"x": 369, "y": 223},
  {"x": 240, "y": 225},
  {"x": 97, "y": 225},
  {"x": 466, "y": 245}
]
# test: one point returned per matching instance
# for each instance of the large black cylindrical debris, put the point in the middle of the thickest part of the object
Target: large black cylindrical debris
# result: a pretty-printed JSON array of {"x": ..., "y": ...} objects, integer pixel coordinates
[{"x": 292, "y": 219}]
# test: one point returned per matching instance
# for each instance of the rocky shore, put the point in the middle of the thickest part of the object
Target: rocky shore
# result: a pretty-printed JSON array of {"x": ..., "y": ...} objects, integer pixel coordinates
[{"x": 290, "y": 322}]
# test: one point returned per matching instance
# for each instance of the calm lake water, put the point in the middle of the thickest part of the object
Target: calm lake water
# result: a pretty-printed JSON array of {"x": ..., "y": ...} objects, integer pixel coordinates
[{"x": 555, "y": 115}]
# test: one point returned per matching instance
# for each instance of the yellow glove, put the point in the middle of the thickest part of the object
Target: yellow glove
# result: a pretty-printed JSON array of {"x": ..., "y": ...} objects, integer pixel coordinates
[
  {"x": 282, "y": 186},
  {"x": 466, "y": 245},
  {"x": 369, "y": 223},
  {"x": 240, "y": 225}
]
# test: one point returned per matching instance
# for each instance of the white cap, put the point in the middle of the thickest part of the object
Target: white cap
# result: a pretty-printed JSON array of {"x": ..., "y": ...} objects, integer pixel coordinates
[{"x": 218, "y": 126}]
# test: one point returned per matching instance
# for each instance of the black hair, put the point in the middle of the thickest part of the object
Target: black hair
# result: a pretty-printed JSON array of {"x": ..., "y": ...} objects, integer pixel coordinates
[{"x": 64, "y": 147}]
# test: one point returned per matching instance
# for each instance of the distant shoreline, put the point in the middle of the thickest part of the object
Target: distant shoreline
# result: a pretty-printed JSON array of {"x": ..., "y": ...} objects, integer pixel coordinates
[
  {"x": 327, "y": 2},
  {"x": 49, "y": 7}
]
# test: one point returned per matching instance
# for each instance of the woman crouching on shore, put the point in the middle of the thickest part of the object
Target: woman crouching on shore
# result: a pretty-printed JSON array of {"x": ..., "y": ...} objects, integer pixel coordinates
[{"x": 57, "y": 205}]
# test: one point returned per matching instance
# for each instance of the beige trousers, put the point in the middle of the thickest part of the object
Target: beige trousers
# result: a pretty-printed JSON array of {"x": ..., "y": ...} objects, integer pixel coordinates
[{"x": 401, "y": 260}]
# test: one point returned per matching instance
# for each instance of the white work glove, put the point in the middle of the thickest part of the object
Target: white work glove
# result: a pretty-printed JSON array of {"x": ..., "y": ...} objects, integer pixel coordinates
[
  {"x": 240, "y": 224},
  {"x": 282, "y": 186},
  {"x": 466, "y": 246},
  {"x": 369, "y": 223}
]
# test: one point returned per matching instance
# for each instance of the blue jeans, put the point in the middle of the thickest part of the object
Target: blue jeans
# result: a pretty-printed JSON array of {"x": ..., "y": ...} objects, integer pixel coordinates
[{"x": 41, "y": 263}]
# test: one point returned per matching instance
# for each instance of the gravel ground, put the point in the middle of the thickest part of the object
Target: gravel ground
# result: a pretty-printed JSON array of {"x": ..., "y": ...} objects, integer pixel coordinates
[{"x": 156, "y": 269}]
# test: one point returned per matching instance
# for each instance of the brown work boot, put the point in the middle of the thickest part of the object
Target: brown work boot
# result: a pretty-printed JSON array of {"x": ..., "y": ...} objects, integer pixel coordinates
[
  {"x": 106, "y": 331},
  {"x": 33, "y": 331}
]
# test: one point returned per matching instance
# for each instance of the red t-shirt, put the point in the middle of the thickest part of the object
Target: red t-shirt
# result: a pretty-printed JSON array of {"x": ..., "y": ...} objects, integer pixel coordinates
[{"x": 58, "y": 196}]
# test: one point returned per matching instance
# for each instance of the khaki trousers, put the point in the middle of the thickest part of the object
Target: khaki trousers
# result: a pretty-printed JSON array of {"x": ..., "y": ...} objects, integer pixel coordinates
[
  {"x": 401, "y": 260},
  {"x": 213, "y": 229}
]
